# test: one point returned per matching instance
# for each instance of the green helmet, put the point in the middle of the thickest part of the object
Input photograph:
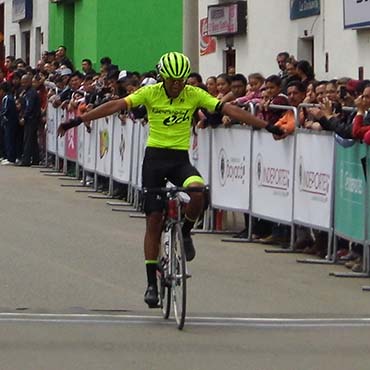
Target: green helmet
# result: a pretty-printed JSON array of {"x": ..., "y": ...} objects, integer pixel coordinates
[{"x": 174, "y": 65}]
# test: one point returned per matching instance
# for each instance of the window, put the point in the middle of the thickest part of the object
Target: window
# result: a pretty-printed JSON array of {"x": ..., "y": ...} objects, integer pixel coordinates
[
  {"x": 26, "y": 38},
  {"x": 12, "y": 45}
]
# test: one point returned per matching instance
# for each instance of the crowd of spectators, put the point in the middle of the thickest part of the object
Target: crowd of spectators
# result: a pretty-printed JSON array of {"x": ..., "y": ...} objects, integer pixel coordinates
[{"x": 26, "y": 91}]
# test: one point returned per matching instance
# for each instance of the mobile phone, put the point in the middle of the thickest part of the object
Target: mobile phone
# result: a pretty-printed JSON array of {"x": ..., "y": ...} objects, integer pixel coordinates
[{"x": 342, "y": 92}]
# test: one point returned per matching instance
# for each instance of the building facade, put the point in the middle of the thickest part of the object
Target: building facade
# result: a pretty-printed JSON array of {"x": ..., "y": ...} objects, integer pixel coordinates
[
  {"x": 25, "y": 29},
  {"x": 132, "y": 33},
  {"x": 333, "y": 35}
]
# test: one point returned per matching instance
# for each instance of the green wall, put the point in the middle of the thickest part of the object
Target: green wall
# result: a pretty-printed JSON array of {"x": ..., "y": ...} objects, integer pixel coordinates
[{"x": 133, "y": 33}]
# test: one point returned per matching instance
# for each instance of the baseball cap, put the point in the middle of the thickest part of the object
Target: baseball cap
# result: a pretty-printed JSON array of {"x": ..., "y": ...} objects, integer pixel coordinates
[
  {"x": 64, "y": 72},
  {"x": 148, "y": 81},
  {"x": 122, "y": 75}
]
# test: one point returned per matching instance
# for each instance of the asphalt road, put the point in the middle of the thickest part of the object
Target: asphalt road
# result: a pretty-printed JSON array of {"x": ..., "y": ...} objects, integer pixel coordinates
[{"x": 72, "y": 280}]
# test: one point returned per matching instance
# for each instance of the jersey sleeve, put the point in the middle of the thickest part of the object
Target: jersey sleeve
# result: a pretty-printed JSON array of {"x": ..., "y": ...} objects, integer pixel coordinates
[
  {"x": 207, "y": 101},
  {"x": 139, "y": 97}
]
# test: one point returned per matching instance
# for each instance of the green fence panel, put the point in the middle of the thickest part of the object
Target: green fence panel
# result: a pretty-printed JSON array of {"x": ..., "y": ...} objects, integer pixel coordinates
[{"x": 350, "y": 191}]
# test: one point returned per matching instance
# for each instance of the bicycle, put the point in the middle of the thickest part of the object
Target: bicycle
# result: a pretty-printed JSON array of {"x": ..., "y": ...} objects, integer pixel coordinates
[{"x": 172, "y": 273}]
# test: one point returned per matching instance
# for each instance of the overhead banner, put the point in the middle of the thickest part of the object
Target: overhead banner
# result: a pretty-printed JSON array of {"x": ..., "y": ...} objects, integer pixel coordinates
[
  {"x": 350, "y": 191},
  {"x": 200, "y": 152},
  {"x": 272, "y": 179},
  {"x": 356, "y": 13},
  {"x": 313, "y": 185},
  {"x": 90, "y": 145},
  {"x": 122, "y": 149},
  {"x": 52, "y": 123},
  {"x": 304, "y": 8},
  {"x": 231, "y": 168},
  {"x": 104, "y": 146}
]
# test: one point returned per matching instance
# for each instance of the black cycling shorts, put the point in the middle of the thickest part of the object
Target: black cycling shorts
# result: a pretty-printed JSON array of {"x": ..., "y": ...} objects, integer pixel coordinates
[{"x": 162, "y": 165}]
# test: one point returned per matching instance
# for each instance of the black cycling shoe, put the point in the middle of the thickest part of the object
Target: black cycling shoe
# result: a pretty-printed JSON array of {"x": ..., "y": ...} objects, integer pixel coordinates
[
  {"x": 189, "y": 248},
  {"x": 151, "y": 296}
]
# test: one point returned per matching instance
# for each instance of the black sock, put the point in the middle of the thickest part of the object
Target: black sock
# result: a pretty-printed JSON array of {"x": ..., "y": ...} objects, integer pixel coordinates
[
  {"x": 188, "y": 225},
  {"x": 151, "y": 272}
]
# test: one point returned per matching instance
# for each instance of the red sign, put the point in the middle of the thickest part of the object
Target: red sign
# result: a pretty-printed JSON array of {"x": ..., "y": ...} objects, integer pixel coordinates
[{"x": 207, "y": 43}]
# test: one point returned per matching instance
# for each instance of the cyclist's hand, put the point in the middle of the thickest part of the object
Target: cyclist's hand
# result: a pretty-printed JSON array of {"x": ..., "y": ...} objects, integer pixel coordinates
[{"x": 275, "y": 130}]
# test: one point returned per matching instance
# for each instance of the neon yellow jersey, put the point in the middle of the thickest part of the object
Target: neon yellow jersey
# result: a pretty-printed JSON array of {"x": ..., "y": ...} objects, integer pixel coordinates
[{"x": 170, "y": 119}]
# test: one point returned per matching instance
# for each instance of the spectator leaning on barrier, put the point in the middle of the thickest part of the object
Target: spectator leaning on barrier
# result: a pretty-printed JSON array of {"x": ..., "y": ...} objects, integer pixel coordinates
[
  {"x": 238, "y": 90},
  {"x": 296, "y": 95},
  {"x": 275, "y": 97},
  {"x": 359, "y": 130},
  {"x": 332, "y": 121}
]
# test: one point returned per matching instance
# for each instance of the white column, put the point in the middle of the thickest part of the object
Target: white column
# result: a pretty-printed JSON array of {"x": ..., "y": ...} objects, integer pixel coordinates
[{"x": 191, "y": 32}]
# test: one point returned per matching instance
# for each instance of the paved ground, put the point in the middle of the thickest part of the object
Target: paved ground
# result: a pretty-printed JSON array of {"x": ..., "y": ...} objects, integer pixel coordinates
[{"x": 72, "y": 283}]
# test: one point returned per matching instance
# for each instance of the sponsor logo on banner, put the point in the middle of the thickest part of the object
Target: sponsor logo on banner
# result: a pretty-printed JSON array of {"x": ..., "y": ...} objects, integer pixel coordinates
[
  {"x": 103, "y": 142},
  {"x": 311, "y": 181},
  {"x": 71, "y": 140},
  {"x": 272, "y": 177},
  {"x": 351, "y": 184},
  {"x": 231, "y": 169}
]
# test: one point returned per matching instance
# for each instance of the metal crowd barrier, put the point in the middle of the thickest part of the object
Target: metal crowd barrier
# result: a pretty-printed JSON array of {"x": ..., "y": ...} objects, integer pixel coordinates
[{"x": 302, "y": 180}]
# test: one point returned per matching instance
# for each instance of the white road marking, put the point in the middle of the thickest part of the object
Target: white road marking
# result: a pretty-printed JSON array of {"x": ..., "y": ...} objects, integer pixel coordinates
[{"x": 130, "y": 319}]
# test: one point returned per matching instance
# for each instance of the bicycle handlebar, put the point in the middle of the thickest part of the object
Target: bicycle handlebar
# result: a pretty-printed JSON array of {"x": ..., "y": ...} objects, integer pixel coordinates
[{"x": 176, "y": 189}]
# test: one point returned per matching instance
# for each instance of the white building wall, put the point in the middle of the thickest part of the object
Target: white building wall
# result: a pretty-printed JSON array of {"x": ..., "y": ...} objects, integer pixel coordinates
[
  {"x": 40, "y": 18},
  {"x": 270, "y": 30}
]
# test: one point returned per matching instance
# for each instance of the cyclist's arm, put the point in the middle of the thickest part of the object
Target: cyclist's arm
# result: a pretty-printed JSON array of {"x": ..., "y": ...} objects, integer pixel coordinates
[
  {"x": 241, "y": 115},
  {"x": 105, "y": 109}
]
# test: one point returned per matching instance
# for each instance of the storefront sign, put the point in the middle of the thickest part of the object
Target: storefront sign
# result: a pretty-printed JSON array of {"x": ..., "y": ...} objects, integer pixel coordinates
[
  {"x": 207, "y": 43},
  {"x": 21, "y": 10},
  {"x": 228, "y": 19},
  {"x": 356, "y": 13},
  {"x": 304, "y": 8}
]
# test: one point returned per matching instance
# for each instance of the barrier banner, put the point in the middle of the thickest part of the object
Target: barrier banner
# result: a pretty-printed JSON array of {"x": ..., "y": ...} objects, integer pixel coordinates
[
  {"x": 122, "y": 148},
  {"x": 135, "y": 153},
  {"x": 71, "y": 140},
  {"x": 313, "y": 184},
  {"x": 231, "y": 168},
  {"x": 52, "y": 125},
  {"x": 104, "y": 146},
  {"x": 350, "y": 191},
  {"x": 272, "y": 176},
  {"x": 90, "y": 145},
  {"x": 61, "y": 140},
  {"x": 200, "y": 152},
  {"x": 80, "y": 143},
  {"x": 143, "y": 138}
]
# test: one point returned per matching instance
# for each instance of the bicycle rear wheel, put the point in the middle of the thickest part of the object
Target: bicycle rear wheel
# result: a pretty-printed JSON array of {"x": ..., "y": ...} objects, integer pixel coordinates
[
  {"x": 178, "y": 278},
  {"x": 163, "y": 277}
]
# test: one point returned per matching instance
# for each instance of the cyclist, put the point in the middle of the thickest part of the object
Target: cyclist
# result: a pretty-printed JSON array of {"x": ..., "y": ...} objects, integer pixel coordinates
[{"x": 170, "y": 105}]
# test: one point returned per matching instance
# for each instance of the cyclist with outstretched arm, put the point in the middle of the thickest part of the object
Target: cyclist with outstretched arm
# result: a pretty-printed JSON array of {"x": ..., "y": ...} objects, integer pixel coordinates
[{"x": 170, "y": 105}]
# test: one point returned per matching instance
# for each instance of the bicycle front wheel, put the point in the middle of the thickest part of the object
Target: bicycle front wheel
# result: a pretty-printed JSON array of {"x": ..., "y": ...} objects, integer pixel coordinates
[
  {"x": 164, "y": 278},
  {"x": 178, "y": 278}
]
